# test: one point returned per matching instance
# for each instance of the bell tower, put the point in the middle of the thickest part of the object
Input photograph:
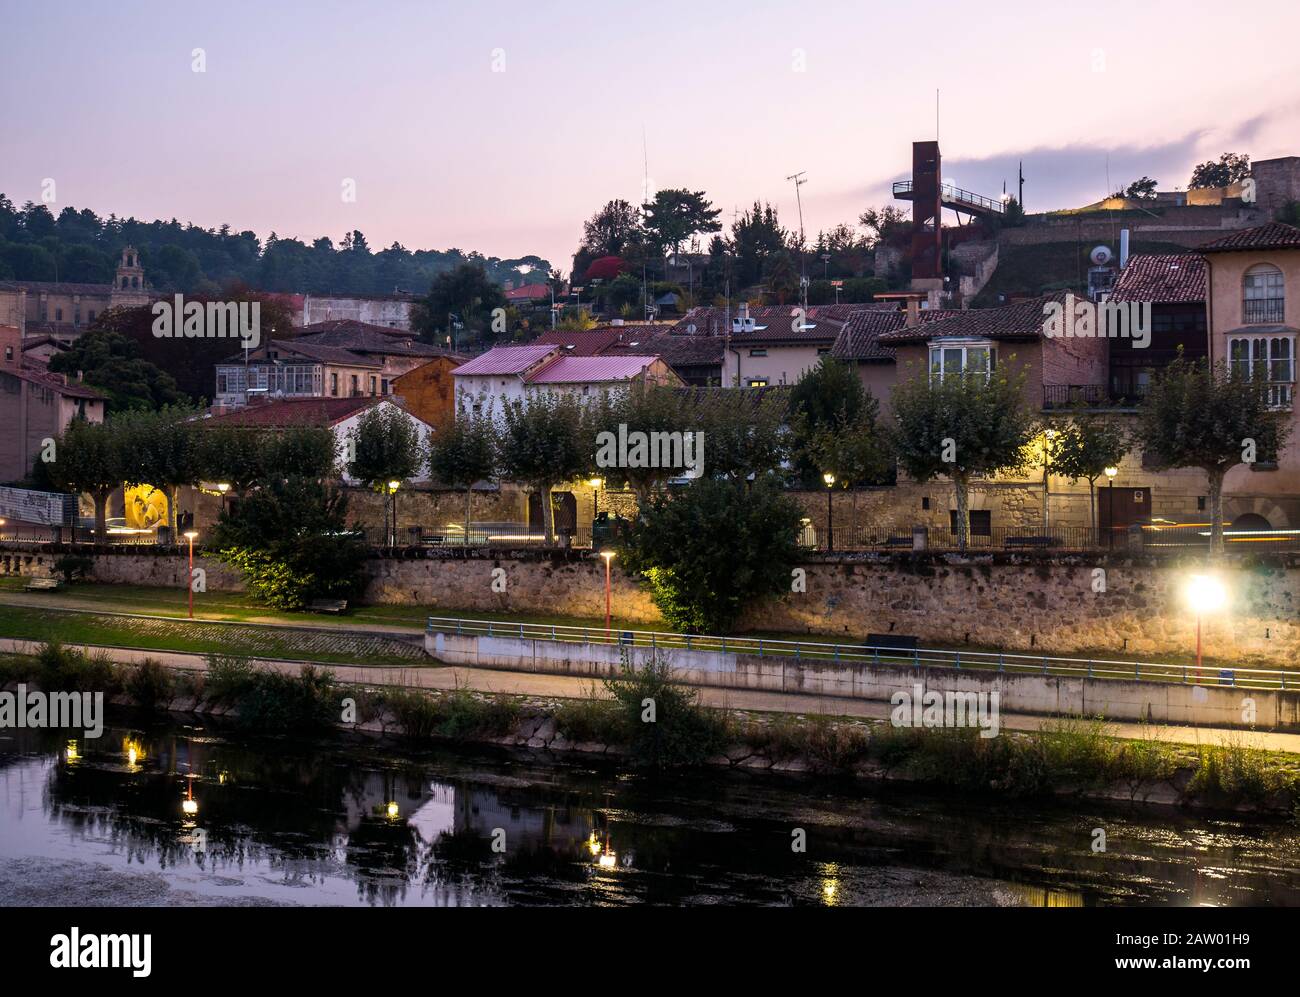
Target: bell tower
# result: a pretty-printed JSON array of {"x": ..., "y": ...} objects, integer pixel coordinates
[{"x": 128, "y": 280}]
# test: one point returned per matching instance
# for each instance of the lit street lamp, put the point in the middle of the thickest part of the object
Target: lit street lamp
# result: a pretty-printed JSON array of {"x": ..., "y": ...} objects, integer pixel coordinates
[
  {"x": 1110, "y": 502},
  {"x": 392, "y": 490},
  {"x": 190, "y": 535},
  {"x": 1205, "y": 594},
  {"x": 829, "y": 478},
  {"x": 595, "y": 491},
  {"x": 222, "y": 487},
  {"x": 1048, "y": 436},
  {"x": 608, "y": 555}
]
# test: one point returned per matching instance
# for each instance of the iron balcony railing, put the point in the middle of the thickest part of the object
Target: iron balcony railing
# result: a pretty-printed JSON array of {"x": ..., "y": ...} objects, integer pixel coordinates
[
  {"x": 1263, "y": 311},
  {"x": 866, "y": 655},
  {"x": 954, "y": 195}
]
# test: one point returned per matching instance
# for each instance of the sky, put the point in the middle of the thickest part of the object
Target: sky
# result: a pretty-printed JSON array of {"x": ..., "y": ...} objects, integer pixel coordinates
[{"x": 501, "y": 127}]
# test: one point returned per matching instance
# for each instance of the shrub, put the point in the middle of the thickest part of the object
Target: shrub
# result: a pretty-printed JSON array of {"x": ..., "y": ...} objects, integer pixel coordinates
[
  {"x": 150, "y": 683},
  {"x": 664, "y": 723},
  {"x": 591, "y": 719},
  {"x": 458, "y": 715},
  {"x": 1232, "y": 772},
  {"x": 227, "y": 677},
  {"x": 73, "y": 566},
  {"x": 65, "y": 670},
  {"x": 275, "y": 701}
]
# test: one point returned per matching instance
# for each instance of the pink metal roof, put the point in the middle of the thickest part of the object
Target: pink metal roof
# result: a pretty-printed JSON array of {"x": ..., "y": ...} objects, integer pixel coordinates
[
  {"x": 505, "y": 360},
  {"x": 588, "y": 370}
]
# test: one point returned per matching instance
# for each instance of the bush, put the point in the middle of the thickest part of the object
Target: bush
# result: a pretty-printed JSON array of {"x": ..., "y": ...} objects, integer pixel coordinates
[
  {"x": 591, "y": 719},
  {"x": 459, "y": 715},
  {"x": 150, "y": 683},
  {"x": 276, "y": 702},
  {"x": 1232, "y": 772},
  {"x": 73, "y": 566},
  {"x": 64, "y": 670},
  {"x": 664, "y": 724}
]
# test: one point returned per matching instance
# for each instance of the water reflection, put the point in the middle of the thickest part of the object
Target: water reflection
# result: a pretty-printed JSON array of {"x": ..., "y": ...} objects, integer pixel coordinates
[{"x": 223, "y": 817}]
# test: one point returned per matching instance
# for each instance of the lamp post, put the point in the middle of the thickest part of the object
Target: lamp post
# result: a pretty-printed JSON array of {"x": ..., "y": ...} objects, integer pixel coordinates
[
  {"x": 223, "y": 487},
  {"x": 1110, "y": 502},
  {"x": 2, "y": 529},
  {"x": 829, "y": 478},
  {"x": 392, "y": 490},
  {"x": 608, "y": 555},
  {"x": 1048, "y": 436},
  {"x": 595, "y": 490},
  {"x": 190, "y": 535},
  {"x": 1205, "y": 594}
]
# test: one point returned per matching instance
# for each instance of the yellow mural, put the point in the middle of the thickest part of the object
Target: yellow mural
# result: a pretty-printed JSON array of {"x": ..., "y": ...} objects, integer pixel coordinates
[{"x": 146, "y": 507}]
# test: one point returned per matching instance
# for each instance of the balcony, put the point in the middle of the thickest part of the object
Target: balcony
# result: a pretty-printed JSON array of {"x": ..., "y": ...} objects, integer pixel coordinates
[
  {"x": 1263, "y": 311},
  {"x": 1068, "y": 396}
]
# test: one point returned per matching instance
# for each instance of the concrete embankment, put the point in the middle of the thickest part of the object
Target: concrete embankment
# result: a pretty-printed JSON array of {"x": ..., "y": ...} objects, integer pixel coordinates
[{"x": 1043, "y": 695}]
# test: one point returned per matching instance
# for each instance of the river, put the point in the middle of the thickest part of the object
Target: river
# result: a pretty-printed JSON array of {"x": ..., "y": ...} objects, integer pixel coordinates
[{"x": 166, "y": 814}]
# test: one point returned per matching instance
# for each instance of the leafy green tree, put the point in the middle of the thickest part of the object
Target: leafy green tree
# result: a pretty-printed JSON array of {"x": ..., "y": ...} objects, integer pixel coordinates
[
  {"x": 90, "y": 458},
  {"x": 291, "y": 540},
  {"x": 645, "y": 408},
  {"x": 543, "y": 444},
  {"x": 462, "y": 452},
  {"x": 1230, "y": 168},
  {"x": 1085, "y": 446},
  {"x": 1142, "y": 190},
  {"x": 611, "y": 229},
  {"x": 466, "y": 297},
  {"x": 111, "y": 363},
  {"x": 744, "y": 431},
  {"x": 385, "y": 448},
  {"x": 303, "y": 451},
  {"x": 713, "y": 549},
  {"x": 827, "y": 397},
  {"x": 756, "y": 238},
  {"x": 162, "y": 449},
  {"x": 960, "y": 426},
  {"x": 235, "y": 455},
  {"x": 885, "y": 224},
  {"x": 1203, "y": 416},
  {"x": 674, "y": 216}
]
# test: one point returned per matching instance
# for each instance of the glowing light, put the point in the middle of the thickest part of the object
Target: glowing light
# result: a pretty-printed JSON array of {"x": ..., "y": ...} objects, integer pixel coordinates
[
  {"x": 392, "y": 810},
  {"x": 594, "y": 845},
  {"x": 607, "y": 555},
  {"x": 829, "y": 478},
  {"x": 1205, "y": 594},
  {"x": 134, "y": 751},
  {"x": 596, "y": 482},
  {"x": 222, "y": 487},
  {"x": 191, "y": 535},
  {"x": 607, "y": 861},
  {"x": 1111, "y": 472},
  {"x": 189, "y": 806},
  {"x": 71, "y": 752}
]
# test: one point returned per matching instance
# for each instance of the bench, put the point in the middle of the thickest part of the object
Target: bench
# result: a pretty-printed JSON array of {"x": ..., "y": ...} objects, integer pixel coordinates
[
  {"x": 894, "y": 642},
  {"x": 1033, "y": 541},
  {"x": 328, "y": 605},
  {"x": 42, "y": 585}
]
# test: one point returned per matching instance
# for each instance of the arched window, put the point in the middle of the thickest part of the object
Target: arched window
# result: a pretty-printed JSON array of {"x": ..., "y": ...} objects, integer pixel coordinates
[{"x": 1263, "y": 296}]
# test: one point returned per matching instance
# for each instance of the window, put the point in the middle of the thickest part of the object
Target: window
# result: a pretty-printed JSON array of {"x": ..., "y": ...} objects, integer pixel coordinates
[
  {"x": 221, "y": 384},
  {"x": 383, "y": 386},
  {"x": 757, "y": 382},
  {"x": 949, "y": 358},
  {"x": 58, "y": 315},
  {"x": 1266, "y": 358},
  {"x": 823, "y": 351},
  {"x": 334, "y": 383},
  {"x": 356, "y": 385},
  {"x": 9, "y": 353},
  {"x": 374, "y": 384},
  {"x": 1263, "y": 295},
  {"x": 981, "y": 522},
  {"x": 758, "y": 353}
]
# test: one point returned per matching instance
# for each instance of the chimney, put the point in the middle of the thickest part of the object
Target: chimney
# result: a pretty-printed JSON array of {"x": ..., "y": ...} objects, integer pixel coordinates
[
  {"x": 11, "y": 346},
  {"x": 913, "y": 313},
  {"x": 1123, "y": 248},
  {"x": 742, "y": 311}
]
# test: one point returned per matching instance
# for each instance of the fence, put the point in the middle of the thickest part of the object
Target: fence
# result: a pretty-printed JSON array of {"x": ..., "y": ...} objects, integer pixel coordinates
[{"x": 868, "y": 655}]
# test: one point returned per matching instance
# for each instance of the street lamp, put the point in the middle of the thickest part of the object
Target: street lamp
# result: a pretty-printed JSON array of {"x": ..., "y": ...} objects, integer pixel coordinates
[
  {"x": 595, "y": 489},
  {"x": 223, "y": 487},
  {"x": 1110, "y": 502},
  {"x": 190, "y": 535},
  {"x": 829, "y": 478},
  {"x": 608, "y": 555},
  {"x": 1205, "y": 594},
  {"x": 1048, "y": 436},
  {"x": 2, "y": 529},
  {"x": 392, "y": 490}
]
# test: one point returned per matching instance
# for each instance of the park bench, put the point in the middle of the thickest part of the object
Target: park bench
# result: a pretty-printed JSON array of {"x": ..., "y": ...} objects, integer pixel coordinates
[
  {"x": 328, "y": 605},
  {"x": 1033, "y": 541},
  {"x": 895, "y": 642},
  {"x": 42, "y": 585}
]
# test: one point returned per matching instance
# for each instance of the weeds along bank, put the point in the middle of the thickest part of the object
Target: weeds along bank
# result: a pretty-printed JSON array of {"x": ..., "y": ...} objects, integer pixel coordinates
[{"x": 642, "y": 719}]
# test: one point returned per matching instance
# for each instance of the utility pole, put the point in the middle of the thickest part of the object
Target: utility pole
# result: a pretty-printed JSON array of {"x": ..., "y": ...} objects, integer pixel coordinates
[
  {"x": 1022, "y": 185},
  {"x": 799, "y": 180}
]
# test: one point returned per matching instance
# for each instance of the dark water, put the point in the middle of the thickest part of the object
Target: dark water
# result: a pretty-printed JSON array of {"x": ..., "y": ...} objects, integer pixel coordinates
[{"x": 291, "y": 822}]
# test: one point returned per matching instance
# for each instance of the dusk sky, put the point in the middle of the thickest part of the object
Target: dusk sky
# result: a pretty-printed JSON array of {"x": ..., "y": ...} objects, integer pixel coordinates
[{"x": 731, "y": 97}]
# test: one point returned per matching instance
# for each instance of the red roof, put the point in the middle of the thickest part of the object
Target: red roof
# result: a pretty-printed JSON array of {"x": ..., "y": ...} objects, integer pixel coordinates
[
  {"x": 580, "y": 344},
  {"x": 529, "y": 292},
  {"x": 590, "y": 370},
  {"x": 505, "y": 360},
  {"x": 295, "y": 412},
  {"x": 33, "y": 371},
  {"x": 1274, "y": 235},
  {"x": 1162, "y": 279}
]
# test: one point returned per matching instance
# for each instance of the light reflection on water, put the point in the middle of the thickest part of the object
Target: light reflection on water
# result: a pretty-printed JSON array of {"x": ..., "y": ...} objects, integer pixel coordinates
[{"x": 224, "y": 818}]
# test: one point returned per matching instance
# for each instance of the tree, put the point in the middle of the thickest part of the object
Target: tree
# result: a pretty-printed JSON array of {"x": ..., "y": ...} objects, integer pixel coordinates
[
  {"x": 1230, "y": 168},
  {"x": 611, "y": 229},
  {"x": 645, "y": 408},
  {"x": 1203, "y": 416},
  {"x": 111, "y": 363},
  {"x": 89, "y": 458},
  {"x": 1085, "y": 446},
  {"x": 291, "y": 540},
  {"x": 713, "y": 549},
  {"x": 676, "y": 215},
  {"x": 756, "y": 237},
  {"x": 162, "y": 449},
  {"x": 959, "y": 426},
  {"x": 463, "y": 452},
  {"x": 827, "y": 397},
  {"x": 1141, "y": 190},
  {"x": 542, "y": 444},
  {"x": 465, "y": 296},
  {"x": 885, "y": 224},
  {"x": 385, "y": 448},
  {"x": 744, "y": 431}
]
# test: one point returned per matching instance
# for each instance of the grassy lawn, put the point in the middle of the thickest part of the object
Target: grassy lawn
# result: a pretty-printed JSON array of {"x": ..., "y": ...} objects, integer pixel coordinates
[{"x": 86, "y": 628}]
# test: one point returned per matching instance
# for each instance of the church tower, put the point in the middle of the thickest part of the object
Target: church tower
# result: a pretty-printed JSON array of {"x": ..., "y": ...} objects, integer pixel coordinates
[{"x": 128, "y": 281}]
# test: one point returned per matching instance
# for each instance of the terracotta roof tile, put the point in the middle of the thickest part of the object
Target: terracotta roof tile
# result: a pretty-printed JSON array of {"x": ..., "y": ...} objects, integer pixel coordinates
[
  {"x": 1274, "y": 235},
  {"x": 1162, "y": 279},
  {"x": 1018, "y": 320},
  {"x": 294, "y": 412}
]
